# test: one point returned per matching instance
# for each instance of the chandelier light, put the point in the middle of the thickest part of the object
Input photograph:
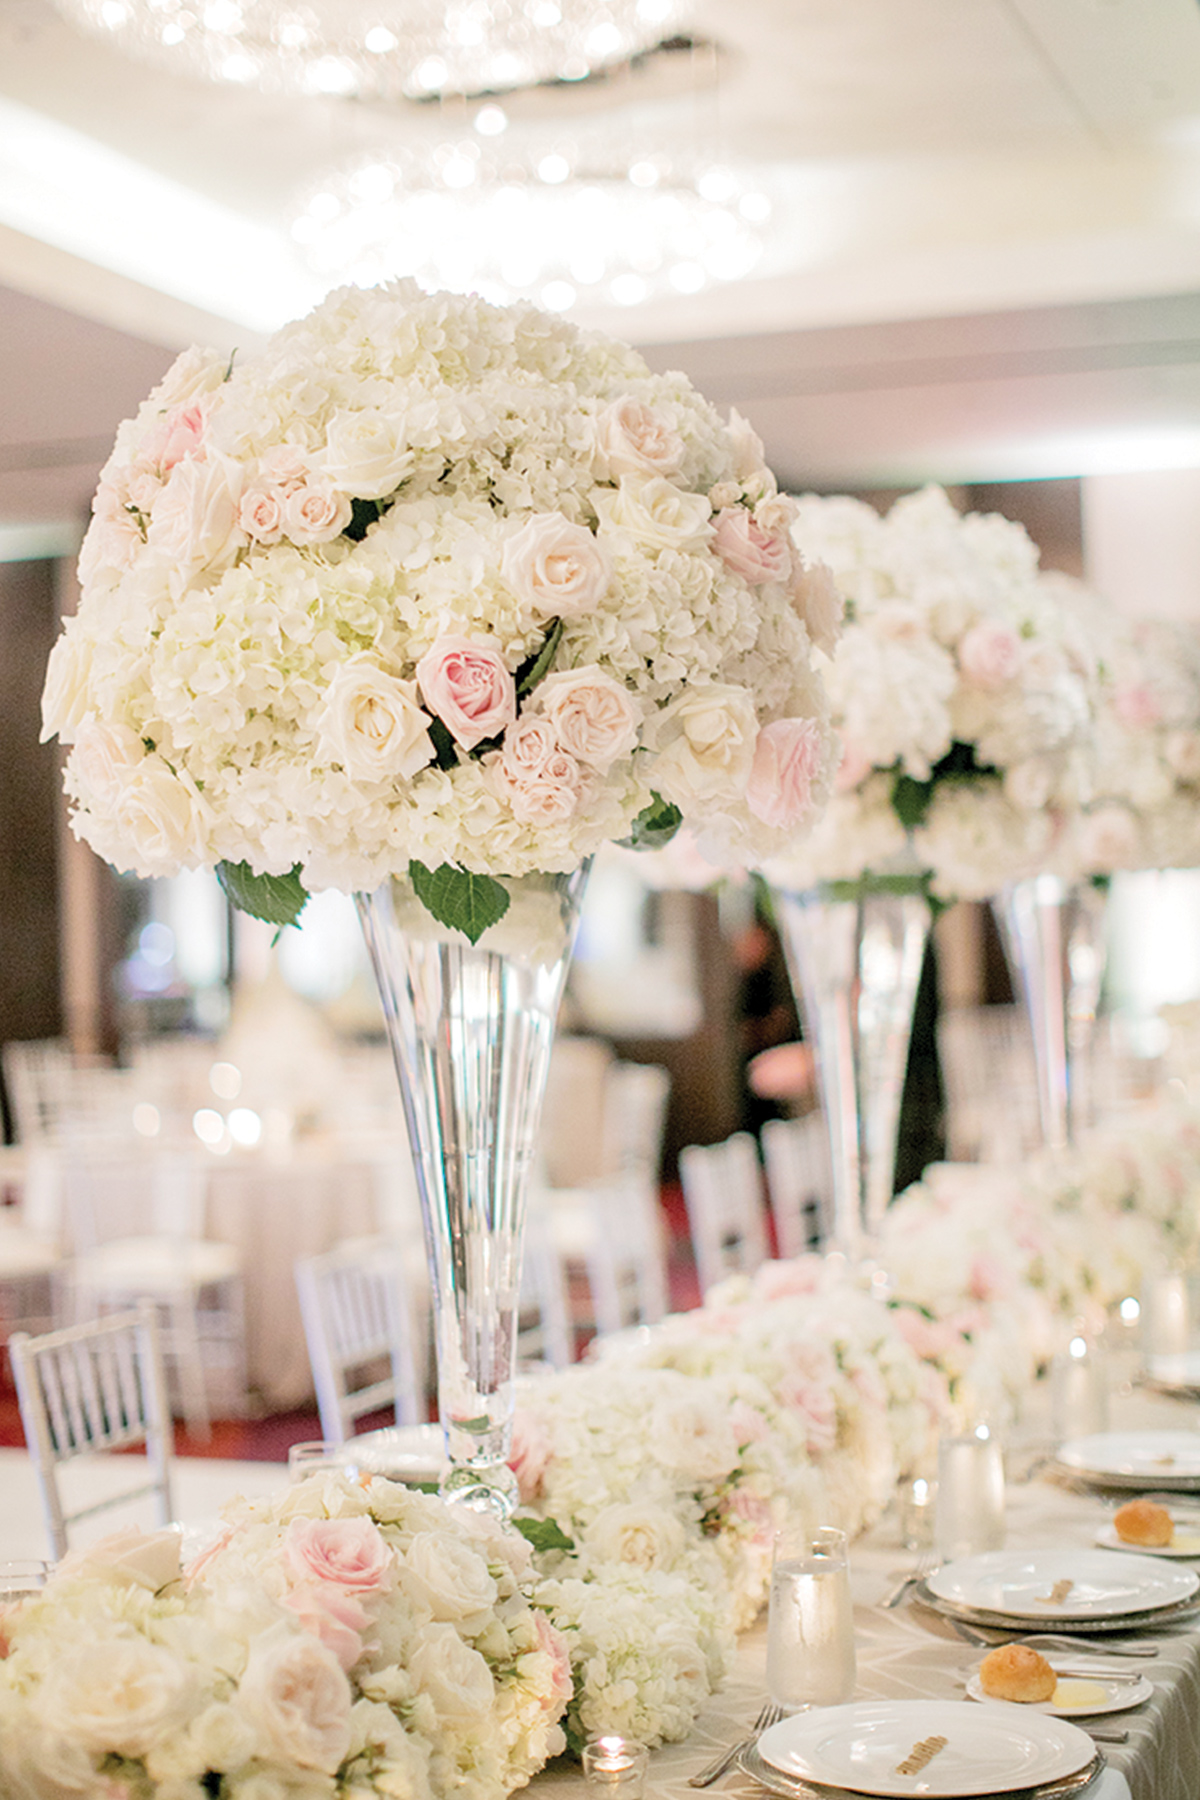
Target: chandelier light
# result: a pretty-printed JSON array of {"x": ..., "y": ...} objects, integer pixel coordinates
[
  {"x": 548, "y": 224},
  {"x": 383, "y": 49}
]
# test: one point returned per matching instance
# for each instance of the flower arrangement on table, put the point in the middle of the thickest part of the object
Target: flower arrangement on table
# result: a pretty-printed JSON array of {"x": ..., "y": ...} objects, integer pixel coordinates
[
  {"x": 961, "y": 691},
  {"x": 1142, "y": 807},
  {"x": 355, "y": 1640},
  {"x": 435, "y": 586}
]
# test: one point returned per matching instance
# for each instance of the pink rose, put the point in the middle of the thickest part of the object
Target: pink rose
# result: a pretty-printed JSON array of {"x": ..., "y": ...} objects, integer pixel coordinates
[
  {"x": 784, "y": 1280},
  {"x": 755, "y": 1512},
  {"x": 557, "y": 568},
  {"x": 594, "y": 718},
  {"x": 316, "y": 513},
  {"x": 820, "y": 603},
  {"x": 260, "y": 515},
  {"x": 553, "y": 1644},
  {"x": 854, "y": 767},
  {"x": 467, "y": 685},
  {"x": 1136, "y": 706},
  {"x": 787, "y": 757},
  {"x": 530, "y": 1455},
  {"x": 295, "y": 1693},
  {"x": 632, "y": 439},
  {"x": 750, "y": 551},
  {"x": 528, "y": 746},
  {"x": 194, "y": 518},
  {"x": 347, "y": 1553},
  {"x": 989, "y": 655},
  {"x": 179, "y": 434},
  {"x": 543, "y": 796},
  {"x": 333, "y": 1616}
]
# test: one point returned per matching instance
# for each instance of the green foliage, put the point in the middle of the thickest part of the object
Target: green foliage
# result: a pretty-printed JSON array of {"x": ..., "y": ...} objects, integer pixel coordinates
[
  {"x": 544, "y": 1534},
  {"x": 458, "y": 898},
  {"x": 538, "y": 666},
  {"x": 654, "y": 826},
  {"x": 279, "y": 899}
]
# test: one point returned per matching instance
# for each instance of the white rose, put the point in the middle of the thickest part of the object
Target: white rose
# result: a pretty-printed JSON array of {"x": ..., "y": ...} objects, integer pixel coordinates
[
  {"x": 632, "y": 439},
  {"x": 315, "y": 513},
  {"x": 595, "y": 719},
  {"x": 160, "y": 819},
  {"x": 705, "y": 739},
  {"x": 657, "y": 513},
  {"x": 294, "y": 1692},
  {"x": 557, "y": 568},
  {"x": 223, "y": 1737},
  {"x": 820, "y": 604},
  {"x": 749, "y": 457},
  {"x": 542, "y": 795},
  {"x": 456, "y": 1678},
  {"x": 691, "y": 1437},
  {"x": 105, "y": 756},
  {"x": 119, "y": 1695},
  {"x": 194, "y": 519},
  {"x": 49, "y": 1764},
  {"x": 1107, "y": 840},
  {"x": 141, "y": 1558},
  {"x": 372, "y": 725},
  {"x": 448, "y": 1577},
  {"x": 367, "y": 453},
  {"x": 66, "y": 699},
  {"x": 649, "y": 1537}
]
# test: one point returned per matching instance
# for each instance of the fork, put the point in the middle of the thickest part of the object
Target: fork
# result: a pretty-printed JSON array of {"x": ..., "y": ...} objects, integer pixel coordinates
[
  {"x": 925, "y": 1564},
  {"x": 769, "y": 1715},
  {"x": 1055, "y": 1639}
]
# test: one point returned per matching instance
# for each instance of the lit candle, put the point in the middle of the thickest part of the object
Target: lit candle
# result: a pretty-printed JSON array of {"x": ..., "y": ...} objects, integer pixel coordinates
[{"x": 617, "y": 1765}]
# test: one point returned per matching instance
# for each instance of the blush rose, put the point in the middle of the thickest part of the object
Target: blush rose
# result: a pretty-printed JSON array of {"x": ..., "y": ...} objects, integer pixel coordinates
[{"x": 467, "y": 685}]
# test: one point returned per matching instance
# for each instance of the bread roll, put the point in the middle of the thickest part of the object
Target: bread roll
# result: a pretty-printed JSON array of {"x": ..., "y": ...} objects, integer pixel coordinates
[
  {"x": 1016, "y": 1672},
  {"x": 1144, "y": 1522}
]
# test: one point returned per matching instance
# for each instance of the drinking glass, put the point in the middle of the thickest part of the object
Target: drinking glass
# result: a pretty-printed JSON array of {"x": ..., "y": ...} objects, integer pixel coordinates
[
  {"x": 319, "y": 1458},
  {"x": 20, "y": 1578},
  {"x": 970, "y": 1495},
  {"x": 810, "y": 1621},
  {"x": 1078, "y": 1391}
]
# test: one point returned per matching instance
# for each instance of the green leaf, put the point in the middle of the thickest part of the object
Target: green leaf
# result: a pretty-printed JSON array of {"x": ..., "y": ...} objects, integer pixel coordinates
[
  {"x": 911, "y": 800},
  {"x": 363, "y": 514},
  {"x": 544, "y": 1534},
  {"x": 445, "y": 750},
  {"x": 279, "y": 899},
  {"x": 536, "y": 667},
  {"x": 654, "y": 826},
  {"x": 458, "y": 898}
]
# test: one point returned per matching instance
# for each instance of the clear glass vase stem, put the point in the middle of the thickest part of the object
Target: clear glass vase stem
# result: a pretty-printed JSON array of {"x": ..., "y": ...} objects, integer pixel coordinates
[
  {"x": 471, "y": 1029},
  {"x": 855, "y": 964}
]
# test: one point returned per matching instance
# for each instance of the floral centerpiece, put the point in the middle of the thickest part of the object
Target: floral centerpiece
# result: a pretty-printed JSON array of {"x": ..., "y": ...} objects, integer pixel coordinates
[
  {"x": 431, "y": 582},
  {"x": 961, "y": 689},
  {"x": 426, "y": 601},
  {"x": 345, "y": 1640}
]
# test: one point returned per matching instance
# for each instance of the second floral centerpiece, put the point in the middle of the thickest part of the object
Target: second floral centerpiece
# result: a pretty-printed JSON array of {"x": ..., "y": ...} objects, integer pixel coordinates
[{"x": 426, "y": 601}]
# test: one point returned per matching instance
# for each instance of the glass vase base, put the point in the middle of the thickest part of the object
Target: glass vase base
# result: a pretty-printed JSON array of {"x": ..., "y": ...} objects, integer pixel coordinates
[{"x": 483, "y": 1488}]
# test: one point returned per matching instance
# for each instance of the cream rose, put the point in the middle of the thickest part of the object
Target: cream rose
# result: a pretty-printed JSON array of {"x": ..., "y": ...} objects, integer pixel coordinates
[
  {"x": 139, "y": 1558},
  {"x": 260, "y": 514},
  {"x": 346, "y": 1553},
  {"x": 632, "y": 439},
  {"x": 194, "y": 519},
  {"x": 705, "y": 739},
  {"x": 456, "y": 1678},
  {"x": 750, "y": 551},
  {"x": 179, "y": 434},
  {"x": 555, "y": 567},
  {"x": 655, "y": 513},
  {"x": 371, "y": 724},
  {"x": 315, "y": 513},
  {"x": 223, "y": 1737},
  {"x": 295, "y": 1693},
  {"x": 688, "y": 1436},
  {"x": 989, "y": 655},
  {"x": 118, "y": 1695},
  {"x": 467, "y": 685},
  {"x": 594, "y": 718},
  {"x": 787, "y": 758},
  {"x": 528, "y": 745},
  {"x": 66, "y": 700},
  {"x": 649, "y": 1537},
  {"x": 545, "y": 795},
  {"x": 820, "y": 603},
  {"x": 367, "y": 453},
  {"x": 159, "y": 817},
  {"x": 104, "y": 758},
  {"x": 447, "y": 1576},
  {"x": 749, "y": 456}
]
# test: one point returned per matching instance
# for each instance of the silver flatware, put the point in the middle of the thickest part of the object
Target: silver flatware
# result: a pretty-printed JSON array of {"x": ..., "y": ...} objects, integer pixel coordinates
[
  {"x": 988, "y": 1638},
  {"x": 792, "y": 1787},
  {"x": 925, "y": 1565},
  {"x": 768, "y": 1716}
]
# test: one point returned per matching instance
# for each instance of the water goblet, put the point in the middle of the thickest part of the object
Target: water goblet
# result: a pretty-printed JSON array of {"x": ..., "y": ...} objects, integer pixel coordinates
[
  {"x": 970, "y": 1495},
  {"x": 810, "y": 1620}
]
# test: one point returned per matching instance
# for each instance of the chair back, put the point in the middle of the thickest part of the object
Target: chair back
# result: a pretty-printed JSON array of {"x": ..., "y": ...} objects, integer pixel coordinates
[
  {"x": 353, "y": 1302},
  {"x": 799, "y": 1181},
  {"x": 625, "y": 1254},
  {"x": 88, "y": 1389},
  {"x": 635, "y": 1116},
  {"x": 722, "y": 1189}
]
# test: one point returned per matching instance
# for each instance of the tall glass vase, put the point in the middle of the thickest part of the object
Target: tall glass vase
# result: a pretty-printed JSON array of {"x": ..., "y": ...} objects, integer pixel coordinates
[
  {"x": 855, "y": 956},
  {"x": 471, "y": 1028},
  {"x": 1054, "y": 936}
]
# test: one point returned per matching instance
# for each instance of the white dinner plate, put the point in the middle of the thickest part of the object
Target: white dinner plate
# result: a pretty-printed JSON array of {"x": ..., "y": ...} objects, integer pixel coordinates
[
  {"x": 1185, "y": 1543},
  {"x": 1180, "y": 1372},
  {"x": 1165, "y": 1459},
  {"x": 1082, "y": 1697},
  {"x": 415, "y": 1453},
  {"x": 988, "y": 1750},
  {"x": 1022, "y": 1584}
]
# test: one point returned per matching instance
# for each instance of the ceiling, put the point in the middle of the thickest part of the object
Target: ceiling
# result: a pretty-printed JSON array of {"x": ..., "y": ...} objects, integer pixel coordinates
[{"x": 983, "y": 262}]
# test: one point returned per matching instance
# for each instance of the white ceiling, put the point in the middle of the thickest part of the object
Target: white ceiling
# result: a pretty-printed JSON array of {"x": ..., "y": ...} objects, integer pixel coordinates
[{"x": 983, "y": 263}]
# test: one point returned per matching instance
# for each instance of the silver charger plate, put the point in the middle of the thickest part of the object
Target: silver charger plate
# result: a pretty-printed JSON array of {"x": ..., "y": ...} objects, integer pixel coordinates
[
  {"x": 1017, "y": 1627},
  {"x": 792, "y": 1788}
]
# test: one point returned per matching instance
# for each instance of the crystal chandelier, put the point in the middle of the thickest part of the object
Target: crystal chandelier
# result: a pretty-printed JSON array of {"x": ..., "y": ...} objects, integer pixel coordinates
[
  {"x": 551, "y": 223},
  {"x": 383, "y": 49}
]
